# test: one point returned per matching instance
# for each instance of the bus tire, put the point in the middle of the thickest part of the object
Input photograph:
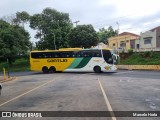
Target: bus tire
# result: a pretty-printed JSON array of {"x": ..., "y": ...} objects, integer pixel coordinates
[
  {"x": 97, "y": 69},
  {"x": 52, "y": 69},
  {"x": 45, "y": 69}
]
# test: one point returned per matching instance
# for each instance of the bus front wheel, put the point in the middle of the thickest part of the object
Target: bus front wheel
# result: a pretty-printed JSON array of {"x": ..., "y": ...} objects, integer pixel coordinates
[
  {"x": 97, "y": 69},
  {"x": 45, "y": 69},
  {"x": 52, "y": 69}
]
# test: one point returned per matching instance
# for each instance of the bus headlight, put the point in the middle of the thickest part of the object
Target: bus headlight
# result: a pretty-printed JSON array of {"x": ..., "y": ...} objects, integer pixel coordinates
[{"x": 107, "y": 68}]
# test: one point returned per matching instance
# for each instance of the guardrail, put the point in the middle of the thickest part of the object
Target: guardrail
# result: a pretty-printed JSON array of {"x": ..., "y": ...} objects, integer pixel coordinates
[{"x": 139, "y": 67}]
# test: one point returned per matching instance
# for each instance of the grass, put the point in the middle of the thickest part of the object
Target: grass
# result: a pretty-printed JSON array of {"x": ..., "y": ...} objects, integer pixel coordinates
[
  {"x": 19, "y": 65},
  {"x": 141, "y": 59}
]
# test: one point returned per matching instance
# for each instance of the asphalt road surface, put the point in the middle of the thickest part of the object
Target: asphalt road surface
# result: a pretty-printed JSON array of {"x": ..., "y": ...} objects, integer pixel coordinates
[{"x": 120, "y": 91}]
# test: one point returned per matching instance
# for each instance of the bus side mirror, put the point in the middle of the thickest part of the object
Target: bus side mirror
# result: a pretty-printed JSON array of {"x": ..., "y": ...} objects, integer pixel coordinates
[{"x": 115, "y": 59}]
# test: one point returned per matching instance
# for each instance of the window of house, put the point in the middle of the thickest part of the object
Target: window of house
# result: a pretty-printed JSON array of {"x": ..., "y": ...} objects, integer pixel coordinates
[
  {"x": 113, "y": 44},
  {"x": 147, "y": 40},
  {"x": 132, "y": 46},
  {"x": 137, "y": 46},
  {"x": 122, "y": 41},
  {"x": 123, "y": 45}
]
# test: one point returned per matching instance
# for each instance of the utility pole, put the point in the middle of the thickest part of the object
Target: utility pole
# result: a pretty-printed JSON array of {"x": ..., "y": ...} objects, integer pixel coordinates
[
  {"x": 76, "y": 22},
  {"x": 8, "y": 71},
  {"x": 54, "y": 41},
  {"x": 118, "y": 37}
]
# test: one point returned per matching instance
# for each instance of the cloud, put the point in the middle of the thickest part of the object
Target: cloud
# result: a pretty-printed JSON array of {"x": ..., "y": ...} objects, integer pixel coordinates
[
  {"x": 143, "y": 23},
  {"x": 8, "y": 7},
  {"x": 86, "y": 11},
  {"x": 135, "y": 15}
]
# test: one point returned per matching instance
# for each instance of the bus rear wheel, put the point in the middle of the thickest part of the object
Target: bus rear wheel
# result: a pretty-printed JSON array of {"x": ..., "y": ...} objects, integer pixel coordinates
[
  {"x": 52, "y": 69},
  {"x": 97, "y": 69},
  {"x": 45, "y": 69}
]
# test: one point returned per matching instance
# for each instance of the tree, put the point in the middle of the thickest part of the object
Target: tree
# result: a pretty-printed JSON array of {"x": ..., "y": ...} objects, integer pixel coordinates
[
  {"x": 83, "y": 36},
  {"x": 9, "y": 18},
  {"x": 52, "y": 26},
  {"x": 104, "y": 34},
  {"x": 21, "y": 18},
  {"x": 14, "y": 40}
]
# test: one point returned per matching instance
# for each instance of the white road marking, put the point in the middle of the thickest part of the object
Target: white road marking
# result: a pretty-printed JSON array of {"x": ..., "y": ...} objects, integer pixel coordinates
[
  {"x": 107, "y": 101},
  {"x": 26, "y": 93},
  {"x": 126, "y": 80}
]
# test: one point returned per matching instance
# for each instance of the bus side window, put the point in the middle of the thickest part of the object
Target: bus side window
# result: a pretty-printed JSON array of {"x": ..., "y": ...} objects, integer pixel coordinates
[
  {"x": 66, "y": 54},
  {"x": 48, "y": 55},
  {"x": 44, "y": 55},
  {"x": 62, "y": 54},
  {"x": 52, "y": 54},
  {"x": 69, "y": 54},
  {"x": 82, "y": 54},
  {"x": 57, "y": 55},
  {"x": 35, "y": 55},
  {"x": 88, "y": 53},
  {"x": 40, "y": 55},
  {"x": 78, "y": 54},
  {"x": 96, "y": 53},
  {"x": 74, "y": 54},
  {"x": 85, "y": 54}
]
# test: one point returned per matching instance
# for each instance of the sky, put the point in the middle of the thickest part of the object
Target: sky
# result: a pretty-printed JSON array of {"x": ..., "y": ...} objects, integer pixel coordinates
[{"x": 128, "y": 15}]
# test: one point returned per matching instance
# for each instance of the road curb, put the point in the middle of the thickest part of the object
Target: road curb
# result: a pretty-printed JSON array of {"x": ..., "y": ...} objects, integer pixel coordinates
[
  {"x": 8, "y": 79},
  {"x": 139, "y": 67}
]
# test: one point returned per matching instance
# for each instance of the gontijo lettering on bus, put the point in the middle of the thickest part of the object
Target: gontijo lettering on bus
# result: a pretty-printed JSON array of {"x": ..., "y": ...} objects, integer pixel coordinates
[{"x": 57, "y": 60}]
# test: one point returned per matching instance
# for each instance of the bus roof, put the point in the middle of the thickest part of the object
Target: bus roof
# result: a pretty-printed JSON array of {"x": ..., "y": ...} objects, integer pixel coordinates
[
  {"x": 71, "y": 49},
  {"x": 66, "y": 49}
]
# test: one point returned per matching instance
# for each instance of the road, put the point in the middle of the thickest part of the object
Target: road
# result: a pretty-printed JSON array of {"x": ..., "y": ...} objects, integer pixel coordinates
[{"x": 120, "y": 91}]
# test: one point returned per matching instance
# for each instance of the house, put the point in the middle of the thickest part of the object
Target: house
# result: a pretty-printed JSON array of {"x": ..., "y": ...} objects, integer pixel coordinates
[
  {"x": 101, "y": 45},
  {"x": 125, "y": 40},
  {"x": 149, "y": 40}
]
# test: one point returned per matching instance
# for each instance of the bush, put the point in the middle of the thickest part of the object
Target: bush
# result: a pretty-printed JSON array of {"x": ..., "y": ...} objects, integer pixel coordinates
[
  {"x": 147, "y": 54},
  {"x": 20, "y": 64},
  {"x": 130, "y": 51},
  {"x": 122, "y": 51},
  {"x": 153, "y": 58}
]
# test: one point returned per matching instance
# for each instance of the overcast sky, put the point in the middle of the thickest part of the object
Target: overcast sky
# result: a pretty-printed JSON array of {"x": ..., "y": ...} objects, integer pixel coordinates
[{"x": 132, "y": 15}]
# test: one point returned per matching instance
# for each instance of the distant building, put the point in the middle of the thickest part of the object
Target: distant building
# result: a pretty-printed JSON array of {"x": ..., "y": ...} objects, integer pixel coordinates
[
  {"x": 149, "y": 39},
  {"x": 125, "y": 40}
]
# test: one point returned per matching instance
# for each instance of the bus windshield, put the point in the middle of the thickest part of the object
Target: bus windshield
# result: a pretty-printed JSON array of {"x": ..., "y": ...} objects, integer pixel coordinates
[
  {"x": 107, "y": 56},
  {"x": 110, "y": 57}
]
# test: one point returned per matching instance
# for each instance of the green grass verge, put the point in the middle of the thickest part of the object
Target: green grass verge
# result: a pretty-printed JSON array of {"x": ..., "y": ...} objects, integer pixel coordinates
[
  {"x": 141, "y": 59},
  {"x": 17, "y": 66}
]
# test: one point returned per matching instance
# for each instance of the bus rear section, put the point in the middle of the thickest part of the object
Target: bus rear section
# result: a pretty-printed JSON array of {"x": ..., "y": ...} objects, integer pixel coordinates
[{"x": 51, "y": 61}]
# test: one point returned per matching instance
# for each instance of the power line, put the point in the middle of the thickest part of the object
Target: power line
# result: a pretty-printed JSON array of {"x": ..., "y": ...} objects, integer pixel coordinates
[
  {"x": 112, "y": 22},
  {"x": 152, "y": 24},
  {"x": 121, "y": 17}
]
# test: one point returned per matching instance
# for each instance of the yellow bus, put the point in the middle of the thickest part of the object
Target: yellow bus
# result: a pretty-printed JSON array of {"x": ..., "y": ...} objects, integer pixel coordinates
[{"x": 73, "y": 60}]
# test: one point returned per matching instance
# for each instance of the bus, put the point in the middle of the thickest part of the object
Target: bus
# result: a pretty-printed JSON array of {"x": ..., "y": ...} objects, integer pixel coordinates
[{"x": 73, "y": 60}]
